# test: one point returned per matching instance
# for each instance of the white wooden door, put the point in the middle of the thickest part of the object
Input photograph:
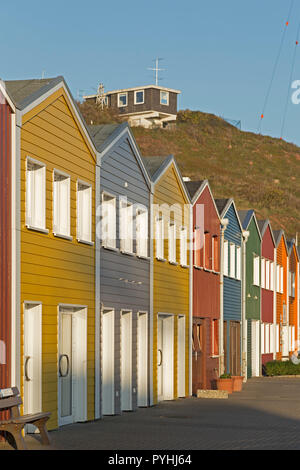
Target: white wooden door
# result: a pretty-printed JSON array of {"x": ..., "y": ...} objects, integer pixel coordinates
[
  {"x": 126, "y": 361},
  {"x": 72, "y": 365},
  {"x": 181, "y": 357},
  {"x": 143, "y": 359},
  {"x": 160, "y": 359},
  {"x": 285, "y": 342},
  {"x": 108, "y": 362},
  {"x": 255, "y": 348},
  {"x": 32, "y": 360},
  {"x": 165, "y": 358}
]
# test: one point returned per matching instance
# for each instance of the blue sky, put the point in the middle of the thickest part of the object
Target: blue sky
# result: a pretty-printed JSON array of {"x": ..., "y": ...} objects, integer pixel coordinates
[{"x": 220, "y": 54}]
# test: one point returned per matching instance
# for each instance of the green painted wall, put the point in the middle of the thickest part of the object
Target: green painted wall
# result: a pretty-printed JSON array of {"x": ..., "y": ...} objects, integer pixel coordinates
[{"x": 253, "y": 247}]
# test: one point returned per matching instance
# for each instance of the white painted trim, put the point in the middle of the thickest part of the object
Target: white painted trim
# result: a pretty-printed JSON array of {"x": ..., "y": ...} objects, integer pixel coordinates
[
  {"x": 136, "y": 88},
  {"x": 98, "y": 390},
  {"x": 125, "y": 93},
  {"x": 168, "y": 98},
  {"x": 151, "y": 352},
  {"x": 191, "y": 302},
  {"x": 6, "y": 96},
  {"x": 14, "y": 231},
  {"x": 135, "y": 93}
]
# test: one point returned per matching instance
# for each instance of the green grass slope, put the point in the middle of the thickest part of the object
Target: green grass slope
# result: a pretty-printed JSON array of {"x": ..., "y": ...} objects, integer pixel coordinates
[{"x": 259, "y": 172}]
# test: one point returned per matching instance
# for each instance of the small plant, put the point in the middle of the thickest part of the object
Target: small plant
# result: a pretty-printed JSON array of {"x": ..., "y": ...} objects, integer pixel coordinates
[
  {"x": 274, "y": 368},
  {"x": 225, "y": 376}
]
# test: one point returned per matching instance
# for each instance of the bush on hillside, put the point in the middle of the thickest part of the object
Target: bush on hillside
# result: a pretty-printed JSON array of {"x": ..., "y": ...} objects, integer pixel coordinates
[
  {"x": 93, "y": 114},
  {"x": 274, "y": 368}
]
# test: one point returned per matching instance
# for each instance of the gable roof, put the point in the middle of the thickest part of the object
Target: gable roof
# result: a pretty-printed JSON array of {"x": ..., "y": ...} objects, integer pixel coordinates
[
  {"x": 27, "y": 94},
  {"x": 223, "y": 206},
  {"x": 196, "y": 188},
  {"x": 5, "y": 93},
  {"x": 263, "y": 225},
  {"x": 290, "y": 244},
  {"x": 105, "y": 136},
  {"x": 245, "y": 217},
  {"x": 277, "y": 237},
  {"x": 157, "y": 166}
]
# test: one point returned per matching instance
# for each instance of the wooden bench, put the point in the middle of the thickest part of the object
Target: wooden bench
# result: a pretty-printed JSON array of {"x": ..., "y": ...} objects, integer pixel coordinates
[{"x": 10, "y": 401}]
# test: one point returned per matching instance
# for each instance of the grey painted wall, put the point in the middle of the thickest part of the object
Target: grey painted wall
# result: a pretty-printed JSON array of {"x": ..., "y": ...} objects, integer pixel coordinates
[{"x": 125, "y": 279}]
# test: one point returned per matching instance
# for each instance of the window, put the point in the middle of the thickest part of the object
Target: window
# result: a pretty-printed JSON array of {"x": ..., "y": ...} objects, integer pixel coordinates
[
  {"x": 262, "y": 338},
  {"x": 35, "y": 195},
  {"x": 291, "y": 284},
  {"x": 225, "y": 258},
  {"x": 197, "y": 247},
  {"x": 197, "y": 337},
  {"x": 122, "y": 100},
  {"x": 272, "y": 338},
  {"x": 61, "y": 204},
  {"x": 281, "y": 279},
  {"x": 206, "y": 254},
  {"x": 139, "y": 97},
  {"x": 215, "y": 337},
  {"x": 126, "y": 227},
  {"x": 256, "y": 270},
  {"x": 238, "y": 263},
  {"x": 172, "y": 242},
  {"x": 267, "y": 338},
  {"x": 183, "y": 246},
  {"x": 164, "y": 97},
  {"x": 278, "y": 278},
  {"x": 215, "y": 246},
  {"x": 142, "y": 232},
  {"x": 277, "y": 339},
  {"x": 232, "y": 260},
  {"x": 84, "y": 212},
  {"x": 159, "y": 232},
  {"x": 268, "y": 274},
  {"x": 108, "y": 222},
  {"x": 263, "y": 273},
  {"x": 271, "y": 275}
]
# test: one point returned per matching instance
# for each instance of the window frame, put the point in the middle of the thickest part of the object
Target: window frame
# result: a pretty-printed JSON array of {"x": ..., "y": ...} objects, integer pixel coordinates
[
  {"x": 135, "y": 93},
  {"x": 225, "y": 258},
  {"x": 159, "y": 241},
  {"x": 172, "y": 252},
  {"x": 256, "y": 270},
  {"x": 79, "y": 235},
  {"x": 232, "y": 261},
  {"x": 142, "y": 242},
  {"x": 105, "y": 241},
  {"x": 183, "y": 250},
  {"x": 57, "y": 232},
  {"x": 30, "y": 218},
  {"x": 238, "y": 262},
  {"x": 125, "y": 93},
  {"x": 126, "y": 243},
  {"x": 168, "y": 98}
]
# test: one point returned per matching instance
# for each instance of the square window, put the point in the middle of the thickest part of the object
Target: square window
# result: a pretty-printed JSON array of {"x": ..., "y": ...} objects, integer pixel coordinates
[
  {"x": 122, "y": 100},
  {"x": 139, "y": 97},
  {"x": 164, "y": 98}
]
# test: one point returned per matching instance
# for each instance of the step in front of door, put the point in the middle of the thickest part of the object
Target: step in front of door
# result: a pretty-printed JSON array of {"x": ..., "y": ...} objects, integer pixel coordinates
[{"x": 213, "y": 394}]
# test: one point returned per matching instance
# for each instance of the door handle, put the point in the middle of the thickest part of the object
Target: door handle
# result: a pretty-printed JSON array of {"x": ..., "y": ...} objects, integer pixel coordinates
[
  {"x": 27, "y": 378},
  {"x": 161, "y": 355},
  {"x": 68, "y": 365}
]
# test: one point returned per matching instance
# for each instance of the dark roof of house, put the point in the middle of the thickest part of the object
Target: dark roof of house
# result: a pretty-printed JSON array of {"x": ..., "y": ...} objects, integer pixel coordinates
[
  {"x": 221, "y": 204},
  {"x": 23, "y": 92},
  {"x": 155, "y": 165},
  {"x": 277, "y": 236},
  {"x": 193, "y": 187},
  {"x": 245, "y": 217},
  {"x": 101, "y": 133}
]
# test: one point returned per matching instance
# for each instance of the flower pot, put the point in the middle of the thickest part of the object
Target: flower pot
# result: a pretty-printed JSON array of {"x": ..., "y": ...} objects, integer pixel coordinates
[
  {"x": 237, "y": 383},
  {"x": 225, "y": 384}
]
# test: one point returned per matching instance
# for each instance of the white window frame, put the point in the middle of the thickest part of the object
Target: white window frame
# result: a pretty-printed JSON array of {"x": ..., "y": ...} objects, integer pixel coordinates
[
  {"x": 34, "y": 220},
  {"x": 172, "y": 242},
  {"x": 256, "y": 270},
  {"x": 262, "y": 338},
  {"x": 272, "y": 329},
  {"x": 160, "y": 97},
  {"x": 267, "y": 338},
  {"x": 84, "y": 214},
  {"x": 238, "y": 263},
  {"x": 142, "y": 232},
  {"x": 126, "y": 226},
  {"x": 109, "y": 211},
  {"x": 278, "y": 278},
  {"x": 272, "y": 287},
  {"x": 232, "y": 261},
  {"x": 225, "y": 257},
  {"x": 197, "y": 245},
  {"x": 61, "y": 212},
  {"x": 277, "y": 342},
  {"x": 159, "y": 237},
  {"x": 135, "y": 94},
  {"x": 281, "y": 279},
  {"x": 263, "y": 273},
  {"x": 183, "y": 246},
  {"x": 120, "y": 105}
]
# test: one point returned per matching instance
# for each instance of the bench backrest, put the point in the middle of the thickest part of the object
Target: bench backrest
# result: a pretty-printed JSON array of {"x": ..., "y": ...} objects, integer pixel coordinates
[{"x": 9, "y": 398}]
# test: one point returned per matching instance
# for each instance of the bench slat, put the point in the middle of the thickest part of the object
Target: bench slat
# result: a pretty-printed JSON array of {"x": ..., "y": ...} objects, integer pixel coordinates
[
  {"x": 10, "y": 402},
  {"x": 30, "y": 418}
]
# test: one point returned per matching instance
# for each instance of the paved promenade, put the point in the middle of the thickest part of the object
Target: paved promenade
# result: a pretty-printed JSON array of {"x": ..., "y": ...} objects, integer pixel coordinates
[{"x": 265, "y": 415}]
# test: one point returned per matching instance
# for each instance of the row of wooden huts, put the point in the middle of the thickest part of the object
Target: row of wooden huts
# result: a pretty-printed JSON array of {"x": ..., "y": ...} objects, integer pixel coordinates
[{"x": 122, "y": 283}]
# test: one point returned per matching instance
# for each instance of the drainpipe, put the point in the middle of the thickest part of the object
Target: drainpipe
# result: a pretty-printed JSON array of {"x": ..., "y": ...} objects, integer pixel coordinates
[
  {"x": 245, "y": 235},
  {"x": 274, "y": 303},
  {"x": 224, "y": 225},
  {"x": 191, "y": 299}
]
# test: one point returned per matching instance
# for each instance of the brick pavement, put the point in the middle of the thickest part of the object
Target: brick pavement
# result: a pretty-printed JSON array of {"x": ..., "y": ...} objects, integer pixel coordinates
[{"x": 265, "y": 415}]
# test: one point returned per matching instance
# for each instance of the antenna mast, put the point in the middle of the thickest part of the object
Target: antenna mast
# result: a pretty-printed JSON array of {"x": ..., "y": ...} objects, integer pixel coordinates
[
  {"x": 101, "y": 97},
  {"x": 156, "y": 70}
]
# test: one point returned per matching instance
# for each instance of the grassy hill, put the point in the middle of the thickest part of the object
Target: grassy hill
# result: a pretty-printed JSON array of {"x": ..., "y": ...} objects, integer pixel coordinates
[{"x": 259, "y": 172}]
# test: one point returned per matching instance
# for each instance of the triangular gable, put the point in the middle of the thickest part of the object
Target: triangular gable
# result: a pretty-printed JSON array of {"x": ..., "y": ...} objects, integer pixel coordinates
[
  {"x": 5, "y": 94},
  {"x": 280, "y": 236},
  {"x": 164, "y": 168},
  {"x": 226, "y": 209},
  {"x": 119, "y": 133},
  {"x": 59, "y": 89},
  {"x": 253, "y": 216},
  {"x": 205, "y": 184},
  {"x": 263, "y": 231}
]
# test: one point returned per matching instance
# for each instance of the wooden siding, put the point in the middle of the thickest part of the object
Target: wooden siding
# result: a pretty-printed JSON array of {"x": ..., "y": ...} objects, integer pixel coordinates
[
  {"x": 293, "y": 301},
  {"x": 171, "y": 283},
  {"x": 267, "y": 296},
  {"x": 5, "y": 240},
  {"x": 253, "y": 246},
  {"x": 54, "y": 270},
  {"x": 121, "y": 166},
  {"x": 206, "y": 289},
  {"x": 281, "y": 298}
]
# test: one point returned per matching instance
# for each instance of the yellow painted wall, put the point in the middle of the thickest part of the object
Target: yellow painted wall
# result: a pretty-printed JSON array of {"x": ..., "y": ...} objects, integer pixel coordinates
[
  {"x": 54, "y": 270},
  {"x": 170, "y": 283}
]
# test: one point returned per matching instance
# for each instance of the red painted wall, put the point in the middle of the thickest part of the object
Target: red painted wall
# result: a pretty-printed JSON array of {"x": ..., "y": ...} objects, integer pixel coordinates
[
  {"x": 206, "y": 287},
  {"x": 5, "y": 238},
  {"x": 267, "y": 296}
]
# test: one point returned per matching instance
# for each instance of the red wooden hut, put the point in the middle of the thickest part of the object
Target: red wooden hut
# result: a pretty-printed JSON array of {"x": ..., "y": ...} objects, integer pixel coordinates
[
  {"x": 268, "y": 286},
  {"x": 6, "y": 144},
  {"x": 206, "y": 286}
]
